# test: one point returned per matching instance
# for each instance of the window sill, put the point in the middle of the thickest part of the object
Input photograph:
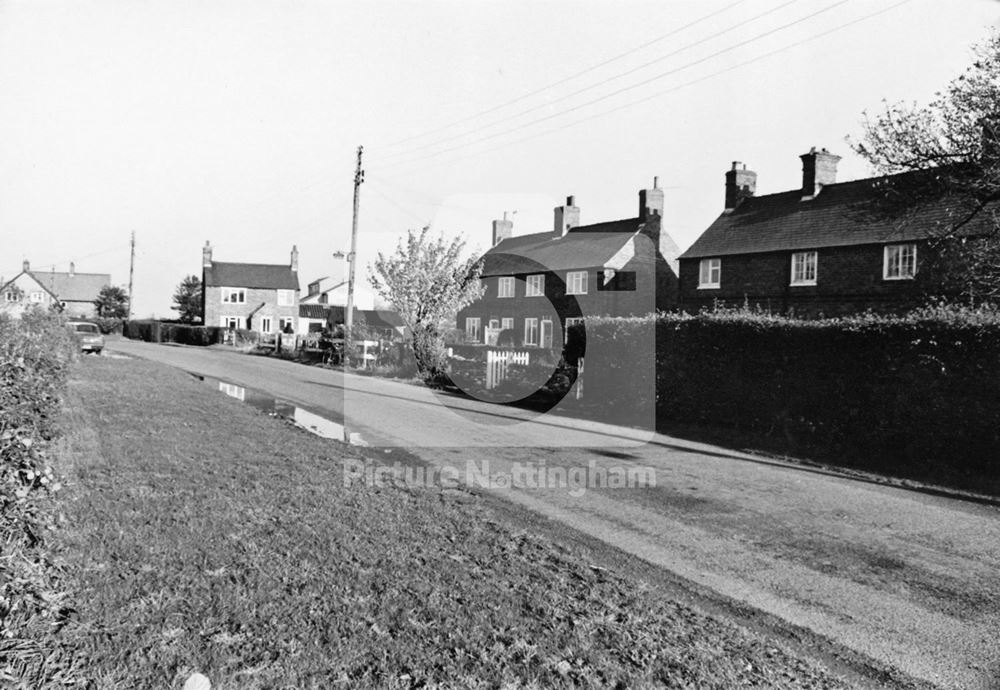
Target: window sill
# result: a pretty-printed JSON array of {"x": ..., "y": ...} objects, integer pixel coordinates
[
  {"x": 709, "y": 287},
  {"x": 803, "y": 284},
  {"x": 576, "y": 293},
  {"x": 898, "y": 278}
]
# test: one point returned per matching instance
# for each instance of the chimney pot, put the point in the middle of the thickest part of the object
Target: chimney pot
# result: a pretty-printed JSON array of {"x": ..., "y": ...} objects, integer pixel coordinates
[
  {"x": 565, "y": 217},
  {"x": 295, "y": 258},
  {"x": 72, "y": 269},
  {"x": 740, "y": 184},
  {"x": 25, "y": 266},
  {"x": 206, "y": 255}
]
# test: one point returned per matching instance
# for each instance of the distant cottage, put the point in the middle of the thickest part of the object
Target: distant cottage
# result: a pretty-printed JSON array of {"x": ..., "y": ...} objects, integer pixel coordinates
[
  {"x": 821, "y": 250},
  {"x": 538, "y": 285},
  {"x": 256, "y": 297},
  {"x": 74, "y": 293}
]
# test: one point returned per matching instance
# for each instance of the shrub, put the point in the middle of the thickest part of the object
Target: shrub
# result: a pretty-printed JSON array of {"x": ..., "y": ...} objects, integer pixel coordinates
[
  {"x": 173, "y": 332},
  {"x": 35, "y": 354},
  {"x": 109, "y": 324}
]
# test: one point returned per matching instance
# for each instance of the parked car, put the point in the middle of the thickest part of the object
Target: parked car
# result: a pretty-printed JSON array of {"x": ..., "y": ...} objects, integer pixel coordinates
[{"x": 89, "y": 336}]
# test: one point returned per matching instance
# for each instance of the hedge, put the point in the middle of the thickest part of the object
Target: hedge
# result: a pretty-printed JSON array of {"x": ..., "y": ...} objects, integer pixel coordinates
[
  {"x": 35, "y": 355},
  {"x": 163, "y": 332},
  {"x": 917, "y": 396}
]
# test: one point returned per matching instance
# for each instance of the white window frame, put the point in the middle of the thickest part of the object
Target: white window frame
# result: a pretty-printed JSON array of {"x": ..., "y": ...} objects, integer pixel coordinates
[
  {"x": 473, "y": 330},
  {"x": 505, "y": 287},
  {"x": 801, "y": 275},
  {"x": 576, "y": 282},
  {"x": 232, "y": 295},
  {"x": 535, "y": 285},
  {"x": 892, "y": 261},
  {"x": 531, "y": 331},
  {"x": 506, "y": 322},
  {"x": 286, "y": 321},
  {"x": 494, "y": 324},
  {"x": 230, "y": 322},
  {"x": 265, "y": 324},
  {"x": 570, "y": 322},
  {"x": 286, "y": 298},
  {"x": 37, "y": 296},
  {"x": 10, "y": 296},
  {"x": 706, "y": 267}
]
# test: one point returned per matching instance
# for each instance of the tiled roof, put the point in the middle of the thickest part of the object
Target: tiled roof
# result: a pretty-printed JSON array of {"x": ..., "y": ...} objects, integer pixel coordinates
[
  {"x": 586, "y": 246},
  {"x": 265, "y": 276},
  {"x": 72, "y": 287},
  {"x": 313, "y": 311},
  {"x": 840, "y": 215},
  {"x": 378, "y": 318}
]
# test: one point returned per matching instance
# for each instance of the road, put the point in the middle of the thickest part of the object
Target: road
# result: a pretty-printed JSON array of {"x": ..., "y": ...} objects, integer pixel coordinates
[{"x": 909, "y": 579}]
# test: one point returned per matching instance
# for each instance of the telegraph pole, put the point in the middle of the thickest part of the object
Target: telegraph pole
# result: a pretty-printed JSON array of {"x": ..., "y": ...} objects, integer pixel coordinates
[
  {"x": 131, "y": 270},
  {"x": 359, "y": 177}
]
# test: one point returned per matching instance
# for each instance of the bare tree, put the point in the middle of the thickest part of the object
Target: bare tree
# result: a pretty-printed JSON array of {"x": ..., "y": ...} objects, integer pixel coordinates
[
  {"x": 946, "y": 154},
  {"x": 427, "y": 281}
]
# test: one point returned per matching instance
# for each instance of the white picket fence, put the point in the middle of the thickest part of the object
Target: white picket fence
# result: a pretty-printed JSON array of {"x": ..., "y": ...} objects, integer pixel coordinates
[{"x": 497, "y": 362}]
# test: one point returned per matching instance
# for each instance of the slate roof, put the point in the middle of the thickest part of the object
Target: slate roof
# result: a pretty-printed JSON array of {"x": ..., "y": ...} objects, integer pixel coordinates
[
  {"x": 75, "y": 287},
  {"x": 264, "y": 276},
  {"x": 312, "y": 311},
  {"x": 840, "y": 215},
  {"x": 585, "y": 246},
  {"x": 377, "y": 318}
]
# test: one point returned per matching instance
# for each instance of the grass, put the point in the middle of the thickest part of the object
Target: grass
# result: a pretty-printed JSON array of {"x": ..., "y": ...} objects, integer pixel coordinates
[{"x": 203, "y": 535}]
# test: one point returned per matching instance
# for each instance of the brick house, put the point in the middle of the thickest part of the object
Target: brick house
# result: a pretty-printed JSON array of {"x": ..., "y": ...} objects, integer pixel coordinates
[
  {"x": 257, "y": 297},
  {"x": 537, "y": 284},
  {"x": 73, "y": 292},
  {"x": 813, "y": 251}
]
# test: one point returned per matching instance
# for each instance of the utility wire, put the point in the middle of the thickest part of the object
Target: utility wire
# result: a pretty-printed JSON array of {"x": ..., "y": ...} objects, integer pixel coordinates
[
  {"x": 624, "y": 89},
  {"x": 559, "y": 82},
  {"x": 660, "y": 94},
  {"x": 602, "y": 82}
]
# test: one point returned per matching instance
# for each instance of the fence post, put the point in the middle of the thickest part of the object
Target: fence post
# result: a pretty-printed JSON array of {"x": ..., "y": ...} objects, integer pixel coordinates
[{"x": 579, "y": 378}]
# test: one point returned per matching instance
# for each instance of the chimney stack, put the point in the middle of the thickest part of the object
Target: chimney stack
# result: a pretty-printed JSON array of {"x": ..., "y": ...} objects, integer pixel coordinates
[
  {"x": 566, "y": 217},
  {"x": 819, "y": 168},
  {"x": 72, "y": 269},
  {"x": 295, "y": 259},
  {"x": 206, "y": 255},
  {"x": 25, "y": 266},
  {"x": 740, "y": 184},
  {"x": 502, "y": 229},
  {"x": 651, "y": 201}
]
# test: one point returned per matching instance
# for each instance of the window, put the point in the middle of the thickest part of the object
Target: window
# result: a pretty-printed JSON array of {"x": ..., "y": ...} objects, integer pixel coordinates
[
  {"x": 494, "y": 324},
  {"x": 286, "y": 325},
  {"x": 265, "y": 324},
  {"x": 230, "y": 322},
  {"x": 547, "y": 333},
  {"x": 710, "y": 273},
  {"x": 571, "y": 321},
  {"x": 619, "y": 281},
  {"x": 804, "y": 268},
  {"x": 286, "y": 298},
  {"x": 472, "y": 329},
  {"x": 37, "y": 296},
  {"x": 10, "y": 296},
  {"x": 505, "y": 287},
  {"x": 234, "y": 296},
  {"x": 900, "y": 262},
  {"x": 531, "y": 331},
  {"x": 536, "y": 286},
  {"x": 576, "y": 283},
  {"x": 506, "y": 322}
]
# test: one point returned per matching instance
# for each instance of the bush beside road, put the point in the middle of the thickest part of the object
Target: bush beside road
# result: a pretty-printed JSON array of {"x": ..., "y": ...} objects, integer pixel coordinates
[{"x": 206, "y": 536}]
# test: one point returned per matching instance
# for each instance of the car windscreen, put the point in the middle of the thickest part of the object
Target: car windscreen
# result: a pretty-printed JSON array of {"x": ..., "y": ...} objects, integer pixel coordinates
[{"x": 85, "y": 328}]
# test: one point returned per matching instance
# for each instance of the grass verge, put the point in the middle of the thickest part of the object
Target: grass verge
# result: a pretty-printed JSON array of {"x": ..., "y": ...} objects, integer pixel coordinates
[{"x": 203, "y": 535}]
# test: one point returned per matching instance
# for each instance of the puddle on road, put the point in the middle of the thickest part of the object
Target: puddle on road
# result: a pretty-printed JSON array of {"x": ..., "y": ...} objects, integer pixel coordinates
[{"x": 310, "y": 421}]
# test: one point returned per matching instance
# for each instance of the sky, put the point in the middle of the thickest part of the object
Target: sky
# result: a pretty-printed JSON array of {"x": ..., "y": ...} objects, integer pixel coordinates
[{"x": 237, "y": 122}]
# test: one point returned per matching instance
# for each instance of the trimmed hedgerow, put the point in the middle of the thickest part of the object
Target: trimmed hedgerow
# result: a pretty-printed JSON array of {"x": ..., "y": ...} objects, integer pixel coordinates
[
  {"x": 917, "y": 396},
  {"x": 163, "y": 332},
  {"x": 35, "y": 354}
]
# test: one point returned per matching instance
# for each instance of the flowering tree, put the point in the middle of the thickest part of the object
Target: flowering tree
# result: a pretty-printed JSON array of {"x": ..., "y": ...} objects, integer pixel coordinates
[
  {"x": 427, "y": 281},
  {"x": 952, "y": 148}
]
